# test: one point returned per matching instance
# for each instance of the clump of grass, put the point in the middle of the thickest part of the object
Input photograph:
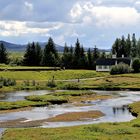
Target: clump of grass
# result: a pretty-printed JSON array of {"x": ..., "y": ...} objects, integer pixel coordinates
[
  {"x": 47, "y": 98},
  {"x": 20, "y": 104},
  {"x": 94, "y": 129},
  {"x": 7, "y": 82},
  {"x": 71, "y": 86},
  {"x": 75, "y": 93},
  {"x": 51, "y": 83},
  {"x": 122, "y": 131}
]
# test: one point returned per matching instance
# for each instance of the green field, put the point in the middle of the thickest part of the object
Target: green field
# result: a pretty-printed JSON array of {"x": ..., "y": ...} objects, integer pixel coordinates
[
  {"x": 103, "y": 131},
  {"x": 46, "y": 75}
]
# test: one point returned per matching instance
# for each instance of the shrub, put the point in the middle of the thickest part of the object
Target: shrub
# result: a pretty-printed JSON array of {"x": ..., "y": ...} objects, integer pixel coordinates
[
  {"x": 136, "y": 65},
  {"x": 73, "y": 86},
  {"x": 121, "y": 68},
  {"x": 51, "y": 83},
  {"x": 7, "y": 82}
]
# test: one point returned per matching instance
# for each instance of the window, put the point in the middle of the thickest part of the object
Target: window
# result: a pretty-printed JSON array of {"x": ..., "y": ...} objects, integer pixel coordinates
[
  {"x": 99, "y": 67},
  {"x": 105, "y": 67}
]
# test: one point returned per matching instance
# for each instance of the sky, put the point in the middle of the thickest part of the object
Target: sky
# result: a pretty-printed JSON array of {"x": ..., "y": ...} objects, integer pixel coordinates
[{"x": 94, "y": 22}]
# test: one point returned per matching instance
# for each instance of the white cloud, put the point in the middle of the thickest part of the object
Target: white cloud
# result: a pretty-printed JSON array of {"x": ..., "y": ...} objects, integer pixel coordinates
[
  {"x": 105, "y": 16},
  {"x": 28, "y": 5},
  {"x": 76, "y": 11},
  {"x": 16, "y": 28}
]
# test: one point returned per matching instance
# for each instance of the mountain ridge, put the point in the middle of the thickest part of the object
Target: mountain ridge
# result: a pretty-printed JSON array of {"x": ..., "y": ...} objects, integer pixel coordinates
[{"x": 19, "y": 47}]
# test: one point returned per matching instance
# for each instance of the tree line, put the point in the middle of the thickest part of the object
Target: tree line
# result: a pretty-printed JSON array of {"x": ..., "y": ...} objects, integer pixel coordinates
[
  {"x": 129, "y": 47},
  {"x": 72, "y": 57}
]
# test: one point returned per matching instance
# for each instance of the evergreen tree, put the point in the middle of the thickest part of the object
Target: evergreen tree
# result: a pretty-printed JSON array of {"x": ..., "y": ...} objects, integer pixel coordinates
[
  {"x": 3, "y": 54},
  {"x": 29, "y": 56},
  {"x": 128, "y": 46},
  {"x": 77, "y": 50},
  {"x": 50, "y": 55},
  {"x": 83, "y": 59},
  {"x": 123, "y": 47},
  {"x": 33, "y": 55},
  {"x": 138, "y": 48},
  {"x": 65, "y": 57},
  {"x": 96, "y": 53},
  {"x": 89, "y": 57},
  {"x": 116, "y": 48},
  {"x": 77, "y": 54},
  {"x": 134, "y": 46},
  {"x": 38, "y": 53},
  {"x": 103, "y": 55}
]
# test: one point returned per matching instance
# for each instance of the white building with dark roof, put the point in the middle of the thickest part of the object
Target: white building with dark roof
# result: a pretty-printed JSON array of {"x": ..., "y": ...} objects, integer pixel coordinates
[{"x": 105, "y": 64}]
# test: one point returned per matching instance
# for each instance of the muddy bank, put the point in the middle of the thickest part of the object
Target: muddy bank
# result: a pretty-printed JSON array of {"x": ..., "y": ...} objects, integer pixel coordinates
[
  {"x": 76, "y": 116},
  {"x": 66, "y": 117}
]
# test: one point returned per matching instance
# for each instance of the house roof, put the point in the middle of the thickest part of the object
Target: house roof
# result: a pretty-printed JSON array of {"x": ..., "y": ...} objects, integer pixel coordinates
[{"x": 112, "y": 61}]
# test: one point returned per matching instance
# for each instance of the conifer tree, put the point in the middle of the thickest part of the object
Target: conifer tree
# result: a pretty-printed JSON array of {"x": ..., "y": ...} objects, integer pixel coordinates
[
  {"x": 3, "y": 54},
  {"x": 134, "y": 46},
  {"x": 50, "y": 55},
  {"x": 89, "y": 57}
]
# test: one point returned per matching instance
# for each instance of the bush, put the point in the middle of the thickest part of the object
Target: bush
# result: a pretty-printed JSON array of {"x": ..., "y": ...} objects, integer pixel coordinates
[
  {"x": 120, "y": 69},
  {"x": 51, "y": 83},
  {"x": 7, "y": 82},
  {"x": 136, "y": 65},
  {"x": 73, "y": 86}
]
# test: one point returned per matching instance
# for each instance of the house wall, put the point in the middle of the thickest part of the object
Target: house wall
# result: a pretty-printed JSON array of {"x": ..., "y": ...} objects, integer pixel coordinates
[{"x": 103, "y": 68}]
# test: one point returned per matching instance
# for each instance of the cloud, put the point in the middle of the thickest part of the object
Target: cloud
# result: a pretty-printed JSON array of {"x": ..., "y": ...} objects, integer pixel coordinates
[
  {"x": 16, "y": 28},
  {"x": 105, "y": 16},
  {"x": 29, "y": 6}
]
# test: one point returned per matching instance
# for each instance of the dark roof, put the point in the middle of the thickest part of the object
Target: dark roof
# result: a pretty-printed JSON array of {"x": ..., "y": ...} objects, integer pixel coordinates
[{"x": 112, "y": 61}]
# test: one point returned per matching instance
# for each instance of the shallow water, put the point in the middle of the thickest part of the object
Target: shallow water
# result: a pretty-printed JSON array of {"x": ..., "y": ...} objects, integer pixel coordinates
[
  {"x": 20, "y": 95},
  {"x": 115, "y": 109}
]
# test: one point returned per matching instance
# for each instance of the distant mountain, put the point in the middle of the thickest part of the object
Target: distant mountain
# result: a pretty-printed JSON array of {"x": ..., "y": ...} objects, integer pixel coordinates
[
  {"x": 19, "y": 47},
  {"x": 13, "y": 47}
]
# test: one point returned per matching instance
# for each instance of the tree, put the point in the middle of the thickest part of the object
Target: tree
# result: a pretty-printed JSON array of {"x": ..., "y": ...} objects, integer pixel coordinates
[
  {"x": 65, "y": 57},
  {"x": 3, "y": 54},
  {"x": 103, "y": 55},
  {"x": 128, "y": 46},
  {"x": 50, "y": 54},
  {"x": 138, "y": 48},
  {"x": 134, "y": 46},
  {"x": 89, "y": 57},
  {"x": 38, "y": 53},
  {"x": 136, "y": 65},
  {"x": 96, "y": 53},
  {"x": 123, "y": 47},
  {"x": 33, "y": 55},
  {"x": 83, "y": 59},
  {"x": 77, "y": 50}
]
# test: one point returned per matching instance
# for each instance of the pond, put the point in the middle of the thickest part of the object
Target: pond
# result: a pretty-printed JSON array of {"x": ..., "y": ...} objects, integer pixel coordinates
[{"x": 115, "y": 109}]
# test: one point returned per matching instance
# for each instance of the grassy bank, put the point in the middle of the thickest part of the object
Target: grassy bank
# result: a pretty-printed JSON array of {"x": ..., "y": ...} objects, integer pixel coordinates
[
  {"x": 20, "y": 104},
  {"x": 103, "y": 131}
]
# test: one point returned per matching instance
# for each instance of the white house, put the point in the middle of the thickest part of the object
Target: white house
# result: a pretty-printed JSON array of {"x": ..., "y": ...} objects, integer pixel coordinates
[{"x": 105, "y": 64}]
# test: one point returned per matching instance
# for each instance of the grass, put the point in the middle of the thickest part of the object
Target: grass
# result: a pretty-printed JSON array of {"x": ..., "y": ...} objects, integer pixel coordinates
[
  {"x": 121, "y": 131},
  {"x": 46, "y": 75},
  {"x": 75, "y": 93},
  {"x": 103, "y": 131},
  {"x": 20, "y": 104},
  {"x": 135, "y": 109},
  {"x": 48, "y": 98}
]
